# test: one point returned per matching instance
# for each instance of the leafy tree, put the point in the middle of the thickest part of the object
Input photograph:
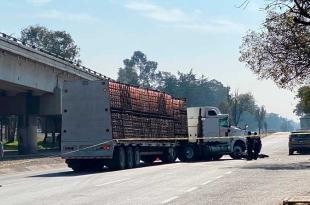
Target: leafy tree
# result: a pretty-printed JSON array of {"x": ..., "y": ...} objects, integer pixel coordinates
[
  {"x": 199, "y": 91},
  {"x": 239, "y": 104},
  {"x": 57, "y": 42},
  {"x": 138, "y": 70},
  {"x": 260, "y": 115},
  {"x": 281, "y": 50},
  {"x": 303, "y": 106}
]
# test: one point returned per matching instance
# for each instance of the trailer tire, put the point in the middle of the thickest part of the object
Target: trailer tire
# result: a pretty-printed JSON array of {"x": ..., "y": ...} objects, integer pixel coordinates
[
  {"x": 238, "y": 148},
  {"x": 148, "y": 159},
  {"x": 187, "y": 153},
  {"x": 118, "y": 161},
  {"x": 169, "y": 155},
  {"x": 129, "y": 158},
  {"x": 76, "y": 165},
  {"x": 136, "y": 157}
]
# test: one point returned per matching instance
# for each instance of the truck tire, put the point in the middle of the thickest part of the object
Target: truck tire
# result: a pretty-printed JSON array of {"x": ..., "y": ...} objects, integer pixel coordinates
[
  {"x": 237, "y": 150},
  {"x": 148, "y": 159},
  {"x": 169, "y": 155},
  {"x": 291, "y": 152},
  {"x": 76, "y": 165},
  {"x": 187, "y": 154},
  {"x": 118, "y": 161},
  {"x": 129, "y": 158},
  {"x": 136, "y": 157}
]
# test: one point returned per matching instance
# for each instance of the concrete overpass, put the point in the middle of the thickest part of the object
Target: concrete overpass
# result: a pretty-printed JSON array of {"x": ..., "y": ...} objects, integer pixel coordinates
[{"x": 31, "y": 82}]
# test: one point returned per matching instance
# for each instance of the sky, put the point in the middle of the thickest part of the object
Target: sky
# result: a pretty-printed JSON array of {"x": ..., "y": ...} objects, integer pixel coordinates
[{"x": 203, "y": 35}]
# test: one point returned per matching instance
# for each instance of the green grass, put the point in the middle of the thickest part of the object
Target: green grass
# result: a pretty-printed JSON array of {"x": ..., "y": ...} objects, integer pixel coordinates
[
  {"x": 47, "y": 145},
  {"x": 10, "y": 146},
  {"x": 41, "y": 145}
]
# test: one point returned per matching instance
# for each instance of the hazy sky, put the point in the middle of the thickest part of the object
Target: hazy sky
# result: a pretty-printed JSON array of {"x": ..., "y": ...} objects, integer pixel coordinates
[{"x": 204, "y": 35}]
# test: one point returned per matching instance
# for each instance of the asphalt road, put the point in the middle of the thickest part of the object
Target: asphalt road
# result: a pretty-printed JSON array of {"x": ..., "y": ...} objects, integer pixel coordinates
[{"x": 265, "y": 181}]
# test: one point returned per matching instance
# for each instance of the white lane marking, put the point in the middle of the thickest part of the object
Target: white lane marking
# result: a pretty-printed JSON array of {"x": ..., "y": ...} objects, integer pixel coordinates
[
  {"x": 219, "y": 177},
  {"x": 191, "y": 189},
  {"x": 170, "y": 199},
  {"x": 206, "y": 182},
  {"x": 111, "y": 182},
  {"x": 229, "y": 172}
]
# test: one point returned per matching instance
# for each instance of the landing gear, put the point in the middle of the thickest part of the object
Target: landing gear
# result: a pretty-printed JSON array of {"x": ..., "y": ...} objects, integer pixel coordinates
[
  {"x": 169, "y": 155},
  {"x": 148, "y": 159}
]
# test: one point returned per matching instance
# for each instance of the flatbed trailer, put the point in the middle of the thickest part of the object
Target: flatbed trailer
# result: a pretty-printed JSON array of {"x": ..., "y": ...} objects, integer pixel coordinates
[{"x": 105, "y": 123}]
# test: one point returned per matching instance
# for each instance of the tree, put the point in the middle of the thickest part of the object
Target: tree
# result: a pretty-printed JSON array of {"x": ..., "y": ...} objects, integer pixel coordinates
[
  {"x": 239, "y": 104},
  {"x": 260, "y": 115},
  {"x": 281, "y": 50},
  {"x": 138, "y": 70},
  {"x": 57, "y": 42},
  {"x": 303, "y": 106}
]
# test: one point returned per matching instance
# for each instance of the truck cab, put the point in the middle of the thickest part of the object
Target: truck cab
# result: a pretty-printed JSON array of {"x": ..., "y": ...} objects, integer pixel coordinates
[
  {"x": 213, "y": 123},
  {"x": 211, "y": 135}
]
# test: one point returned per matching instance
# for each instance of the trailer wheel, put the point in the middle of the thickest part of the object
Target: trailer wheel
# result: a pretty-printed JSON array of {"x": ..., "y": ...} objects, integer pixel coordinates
[
  {"x": 169, "y": 155},
  {"x": 237, "y": 151},
  {"x": 129, "y": 158},
  {"x": 118, "y": 161},
  {"x": 76, "y": 165},
  {"x": 148, "y": 159},
  {"x": 187, "y": 153},
  {"x": 136, "y": 157}
]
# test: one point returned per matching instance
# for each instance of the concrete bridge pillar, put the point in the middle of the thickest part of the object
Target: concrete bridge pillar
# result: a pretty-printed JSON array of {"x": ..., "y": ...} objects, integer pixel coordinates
[
  {"x": 27, "y": 143},
  {"x": 27, "y": 133}
]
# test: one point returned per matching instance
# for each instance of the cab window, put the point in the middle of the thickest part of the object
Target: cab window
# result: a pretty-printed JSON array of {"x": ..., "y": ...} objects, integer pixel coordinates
[
  {"x": 224, "y": 122},
  {"x": 211, "y": 113}
]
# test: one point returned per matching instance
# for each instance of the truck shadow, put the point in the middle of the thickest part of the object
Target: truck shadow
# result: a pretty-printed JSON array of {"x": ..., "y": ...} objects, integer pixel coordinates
[
  {"x": 286, "y": 166},
  {"x": 71, "y": 173}
]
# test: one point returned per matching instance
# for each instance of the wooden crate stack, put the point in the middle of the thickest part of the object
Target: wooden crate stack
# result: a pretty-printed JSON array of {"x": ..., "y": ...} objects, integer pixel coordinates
[{"x": 144, "y": 113}]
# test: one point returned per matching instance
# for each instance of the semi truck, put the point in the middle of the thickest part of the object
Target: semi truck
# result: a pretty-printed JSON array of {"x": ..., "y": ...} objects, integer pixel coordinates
[{"x": 106, "y": 123}]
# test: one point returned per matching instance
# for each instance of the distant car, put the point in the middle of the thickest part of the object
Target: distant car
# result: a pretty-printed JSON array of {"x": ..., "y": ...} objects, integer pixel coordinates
[{"x": 299, "y": 141}]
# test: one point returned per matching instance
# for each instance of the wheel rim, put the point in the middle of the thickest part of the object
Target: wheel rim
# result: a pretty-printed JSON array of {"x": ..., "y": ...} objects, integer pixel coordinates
[
  {"x": 189, "y": 153},
  {"x": 237, "y": 150}
]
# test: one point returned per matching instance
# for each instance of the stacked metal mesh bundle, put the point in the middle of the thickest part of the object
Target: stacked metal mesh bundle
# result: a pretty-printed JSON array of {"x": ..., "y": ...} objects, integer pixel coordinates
[{"x": 145, "y": 113}]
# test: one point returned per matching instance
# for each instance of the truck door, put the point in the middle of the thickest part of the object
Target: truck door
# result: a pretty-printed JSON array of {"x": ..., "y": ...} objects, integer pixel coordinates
[{"x": 210, "y": 127}]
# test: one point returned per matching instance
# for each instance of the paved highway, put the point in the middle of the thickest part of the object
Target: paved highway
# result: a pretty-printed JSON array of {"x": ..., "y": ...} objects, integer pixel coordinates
[{"x": 265, "y": 181}]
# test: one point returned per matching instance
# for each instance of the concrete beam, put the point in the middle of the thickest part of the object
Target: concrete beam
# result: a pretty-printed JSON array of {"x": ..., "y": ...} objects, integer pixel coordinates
[{"x": 48, "y": 60}]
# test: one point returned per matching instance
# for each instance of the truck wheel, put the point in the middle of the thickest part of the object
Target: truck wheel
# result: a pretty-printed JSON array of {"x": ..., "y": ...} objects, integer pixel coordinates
[
  {"x": 237, "y": 151},
  {"x": 148, "y": 159},
  {"x": 217, "y": 156},
  {"x": 187, "y": 154},
  {"x": 129, "y": 157},
  {"x": 169, "y": 155},
  {"x": 118, "y": 161},
  {"x": 76, "y": 165},
  {"x": 136, "y": 157},
  {"x": 290, "y": 152}
]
